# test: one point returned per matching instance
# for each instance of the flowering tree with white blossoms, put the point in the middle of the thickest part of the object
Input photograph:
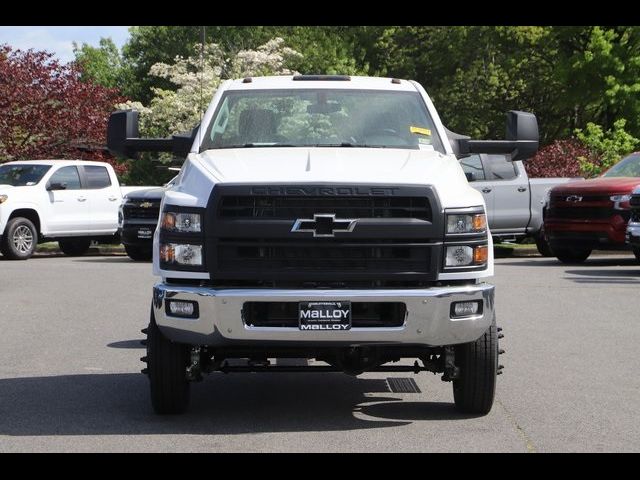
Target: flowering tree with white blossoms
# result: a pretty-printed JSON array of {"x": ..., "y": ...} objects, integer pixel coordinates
[{"x": 197, "y": 79}]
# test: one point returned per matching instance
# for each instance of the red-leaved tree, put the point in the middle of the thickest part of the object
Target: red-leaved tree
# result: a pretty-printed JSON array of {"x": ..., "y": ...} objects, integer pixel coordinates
[
  {"x": 47, "y": 112},
  {"x": 559, "y": 159}
]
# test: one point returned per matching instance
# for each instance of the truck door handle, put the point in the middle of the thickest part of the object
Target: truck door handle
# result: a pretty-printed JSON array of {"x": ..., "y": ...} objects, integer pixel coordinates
[
  {"x": 82, "y": 199},
  {"x": 522, "y": 189},
  {"x": 486, "y": 190},
  {"x": 113, "y": 199}
]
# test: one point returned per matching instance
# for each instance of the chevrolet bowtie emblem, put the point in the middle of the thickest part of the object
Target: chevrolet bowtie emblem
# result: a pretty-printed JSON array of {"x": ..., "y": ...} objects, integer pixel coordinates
[
  {"x": 146, "y": 204},
  {"x": 323, "y": 225}
]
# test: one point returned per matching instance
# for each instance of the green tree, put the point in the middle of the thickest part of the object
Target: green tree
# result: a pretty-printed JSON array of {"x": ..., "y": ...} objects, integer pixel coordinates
[
  {"x": 102, "y": 65},
  {"x": 599, "y": 70},
  {"x": 608, "y": 146}
]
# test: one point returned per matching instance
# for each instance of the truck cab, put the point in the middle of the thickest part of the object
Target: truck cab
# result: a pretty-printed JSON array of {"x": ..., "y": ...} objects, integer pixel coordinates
[{"x": 325, "y": 218}]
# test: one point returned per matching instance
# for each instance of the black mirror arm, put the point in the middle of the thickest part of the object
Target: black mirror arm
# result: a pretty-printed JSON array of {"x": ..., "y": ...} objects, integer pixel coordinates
[{"x": 514, "y": 148}]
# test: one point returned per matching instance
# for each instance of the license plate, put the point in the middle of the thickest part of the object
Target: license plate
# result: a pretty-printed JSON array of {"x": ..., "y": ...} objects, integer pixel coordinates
[
  {"x": 324, "y": 315},
  {"x": 145, "y": 233}
]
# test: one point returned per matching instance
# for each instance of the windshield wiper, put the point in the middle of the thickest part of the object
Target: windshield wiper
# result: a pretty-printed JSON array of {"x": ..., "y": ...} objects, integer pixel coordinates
[
  {"x": 259, "y": 145},
  {"x": 307, "y": 145},
  {"x": 346, "y": 144}
]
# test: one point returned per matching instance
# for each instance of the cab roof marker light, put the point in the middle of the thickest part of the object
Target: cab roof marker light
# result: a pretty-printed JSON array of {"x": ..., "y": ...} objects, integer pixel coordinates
[{"x": 323, "y": 78}]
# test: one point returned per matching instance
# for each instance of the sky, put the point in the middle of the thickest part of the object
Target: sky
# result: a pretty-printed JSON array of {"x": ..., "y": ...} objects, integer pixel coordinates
[{"x": 59, "y": 40}]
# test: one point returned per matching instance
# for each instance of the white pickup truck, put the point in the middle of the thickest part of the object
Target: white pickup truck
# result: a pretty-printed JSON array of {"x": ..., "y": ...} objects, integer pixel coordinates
[
  {"x": 324, "y": 218},
  {"x": 71, "y": 201}
]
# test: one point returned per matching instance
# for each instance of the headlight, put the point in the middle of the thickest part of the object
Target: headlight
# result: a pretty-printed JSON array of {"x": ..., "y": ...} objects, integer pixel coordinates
[
  {"x": 181, "y": 222},
  {"x": 466, "y": 255},
  {"x": 3, "y": 198},
  {"x": 181, "y": 254},
  {"x": 466, "y": 223}
]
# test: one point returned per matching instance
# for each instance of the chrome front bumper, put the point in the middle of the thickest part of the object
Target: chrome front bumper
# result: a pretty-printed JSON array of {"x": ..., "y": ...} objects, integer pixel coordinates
[
  {"x": 633, "y": 234},
  {"x": 220, "y": 322}
]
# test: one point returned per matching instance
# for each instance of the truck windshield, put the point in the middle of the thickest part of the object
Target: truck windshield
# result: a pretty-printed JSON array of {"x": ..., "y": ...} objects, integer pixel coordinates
[
  {"x": 22, "y": 175},
  {"x": 627, "y": 167},
  {"x": 322, "y": 118}
]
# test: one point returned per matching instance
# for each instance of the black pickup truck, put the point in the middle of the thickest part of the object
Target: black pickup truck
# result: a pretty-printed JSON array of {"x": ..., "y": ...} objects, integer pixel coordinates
[{"x": 137, "y": 220}]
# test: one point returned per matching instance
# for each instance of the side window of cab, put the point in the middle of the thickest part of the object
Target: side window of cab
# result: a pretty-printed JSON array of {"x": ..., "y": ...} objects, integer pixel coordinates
[
  {"x": 473, "y": 169},
  {"x": 501, "y": 168},
  {"x": 66, "y": 176}
]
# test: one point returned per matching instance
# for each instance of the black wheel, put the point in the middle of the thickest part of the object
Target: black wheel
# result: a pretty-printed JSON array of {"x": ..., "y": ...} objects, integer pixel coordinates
[
  {"x": 542, "y": 244},
  {"x": 636, "y": 252},
  {"x": 474, "y": 390},
  {"x": 139, "y": 254},
  {"x": 167, "y": 369},
  {"x": 74, "y": 247},
  {"x": 572, "y": 255},
  {"x": 20, "y": 239}
]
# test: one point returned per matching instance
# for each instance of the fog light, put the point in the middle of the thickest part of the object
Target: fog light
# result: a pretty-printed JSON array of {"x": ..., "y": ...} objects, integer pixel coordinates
[
  {"x": 182, "y": 308},
  {"x": 466, "y": 309}
]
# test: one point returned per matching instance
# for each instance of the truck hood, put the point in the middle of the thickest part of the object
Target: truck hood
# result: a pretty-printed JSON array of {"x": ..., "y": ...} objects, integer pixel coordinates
[
  {"x": 600, "y": 185},
  {"x": 147, "y": 194},
  {"x": 342, "y": 165}
]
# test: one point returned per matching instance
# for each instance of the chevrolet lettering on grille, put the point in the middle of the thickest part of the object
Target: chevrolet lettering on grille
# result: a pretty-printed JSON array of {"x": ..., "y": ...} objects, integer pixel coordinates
[{"x": 323, "y": 225}]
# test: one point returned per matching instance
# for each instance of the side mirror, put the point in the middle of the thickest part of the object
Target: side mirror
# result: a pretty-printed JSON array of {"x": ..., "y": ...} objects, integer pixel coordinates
[
  {"x": 470, "y": 176},
  {"x": 521, "y": 139},
  {"x": 56, "y": 186},
  {"x": 123, "y": 125},
  {"x": 182, "y": 142},
  {"x": 123, "y": 140}
]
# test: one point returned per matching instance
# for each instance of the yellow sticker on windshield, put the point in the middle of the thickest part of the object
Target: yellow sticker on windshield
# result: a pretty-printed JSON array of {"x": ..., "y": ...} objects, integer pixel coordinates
[{"x": 420, "y": 131}]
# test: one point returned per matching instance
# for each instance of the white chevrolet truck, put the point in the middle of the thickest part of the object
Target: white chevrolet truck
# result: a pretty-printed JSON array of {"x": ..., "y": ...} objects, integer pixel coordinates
[
  {"x": 69, "y": 201},
  {"x": 325, "y": 218}
]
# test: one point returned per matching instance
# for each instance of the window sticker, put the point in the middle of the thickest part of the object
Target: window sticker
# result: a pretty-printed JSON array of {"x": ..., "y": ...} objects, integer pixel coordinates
[{"x": 420, "y": 131}]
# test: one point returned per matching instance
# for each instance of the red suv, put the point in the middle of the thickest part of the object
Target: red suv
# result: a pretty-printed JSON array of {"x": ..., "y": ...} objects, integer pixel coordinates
[{"x": 589, "y": 214}]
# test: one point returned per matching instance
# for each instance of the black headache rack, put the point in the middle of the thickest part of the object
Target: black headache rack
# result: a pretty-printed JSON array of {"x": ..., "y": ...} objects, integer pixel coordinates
[{"x": 344, "y": 236}]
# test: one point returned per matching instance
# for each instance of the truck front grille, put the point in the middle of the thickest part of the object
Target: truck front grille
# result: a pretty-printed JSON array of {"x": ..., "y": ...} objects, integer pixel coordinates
[
  {"x": 305, "y": 207},
  {"x": 580, "y": 213},
  {"x": 265, "y": 255},
  {"x": 253, "y": 239},
  {"x": 363, "y": 314},
  {"x": 134, "y": 211}
]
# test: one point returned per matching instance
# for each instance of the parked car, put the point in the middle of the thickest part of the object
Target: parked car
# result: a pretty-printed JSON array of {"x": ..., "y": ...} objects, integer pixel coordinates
[
  {"x": 515, "y": 202},
  {"x": 633, "y": 227},
  {"x": 328, "y": 218},
  {"x": 589, "y": 214},
  {"x": 69, "y": 201},
  {"x": 137, "y": 221}
]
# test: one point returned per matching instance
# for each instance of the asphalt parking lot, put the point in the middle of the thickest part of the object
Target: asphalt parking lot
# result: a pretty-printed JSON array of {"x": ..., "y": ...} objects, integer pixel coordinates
[{"x": 70, "y": 381}]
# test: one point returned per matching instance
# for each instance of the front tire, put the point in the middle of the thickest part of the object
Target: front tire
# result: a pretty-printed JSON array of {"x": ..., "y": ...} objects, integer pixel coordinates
[
  {"x": 572, "y": 255},
  {"x": 474, "y": 390},
  {"x": 74, "y": 247},
  {"x": 167, "y": 369},
  {"x": 20, "y": 239},
  {"x": 636, "y": 252},
  {"x": 542, "y": 244},
  {"x": 139, "y": 254}
]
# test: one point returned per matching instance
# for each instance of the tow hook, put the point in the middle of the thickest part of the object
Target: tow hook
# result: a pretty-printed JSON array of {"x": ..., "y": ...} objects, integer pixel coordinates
[
  {"x": 451, "y": 372},
  {"x": 194, "y": 370}
]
